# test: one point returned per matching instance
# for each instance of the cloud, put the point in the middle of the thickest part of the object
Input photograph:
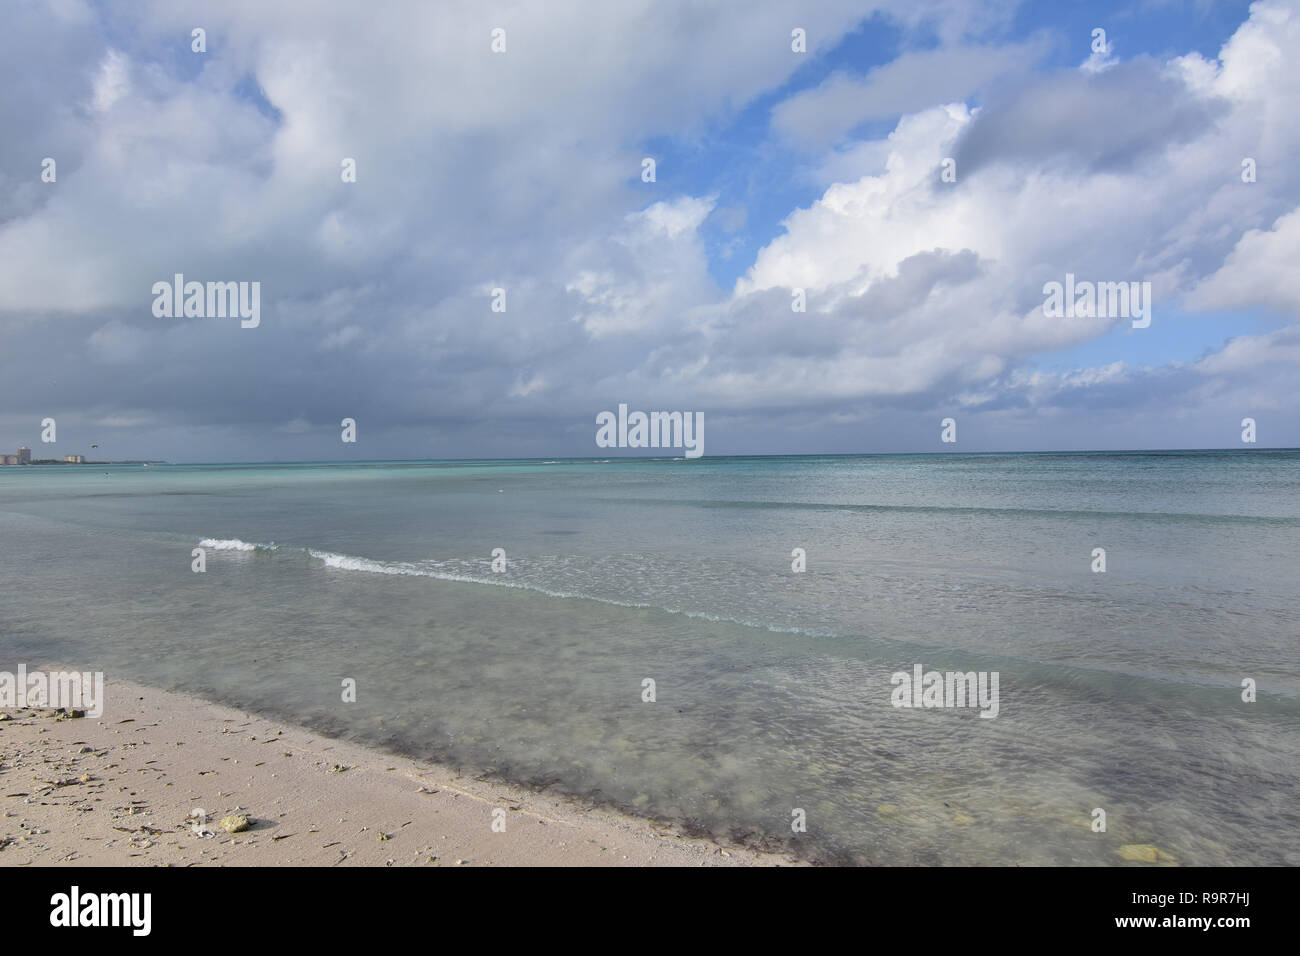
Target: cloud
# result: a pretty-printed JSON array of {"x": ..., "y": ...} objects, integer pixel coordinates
[
  {"x": 1100, "y": 121},
  {"x": 115, "y": 343},
  {"x": 1249, "y": 354},
  {"x": 522, "y": 171},
  {"x": 818, "y": 118},
  {"x": 1131, "y": 174},
  {"x": 1259, "y": 272},
  {"x": 113, "y": 82}
]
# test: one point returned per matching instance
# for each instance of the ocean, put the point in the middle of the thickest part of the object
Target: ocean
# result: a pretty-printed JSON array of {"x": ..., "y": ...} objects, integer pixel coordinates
[{"x": 774, "y": 696}]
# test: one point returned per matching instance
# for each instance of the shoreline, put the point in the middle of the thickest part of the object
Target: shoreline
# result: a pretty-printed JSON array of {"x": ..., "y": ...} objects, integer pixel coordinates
[{"x": 119, "y": 791}]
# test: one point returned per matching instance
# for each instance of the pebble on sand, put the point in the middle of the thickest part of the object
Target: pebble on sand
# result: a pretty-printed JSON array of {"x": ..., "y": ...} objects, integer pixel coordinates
[{"x": 235, "y": 823}]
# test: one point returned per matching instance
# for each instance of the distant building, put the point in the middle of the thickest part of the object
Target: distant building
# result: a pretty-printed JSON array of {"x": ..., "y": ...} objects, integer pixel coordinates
[
  {"x": 75, "y": 459},
  {"x": 24, "y": 455},
  {"x": 8, "y": 459}
]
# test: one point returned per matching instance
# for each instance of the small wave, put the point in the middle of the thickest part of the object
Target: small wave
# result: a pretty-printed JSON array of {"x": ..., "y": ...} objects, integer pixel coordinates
[
  {"x": 346, "y": 562},
  {"x": 438, "y": 571},
  {"x": 234, "y": 544}
]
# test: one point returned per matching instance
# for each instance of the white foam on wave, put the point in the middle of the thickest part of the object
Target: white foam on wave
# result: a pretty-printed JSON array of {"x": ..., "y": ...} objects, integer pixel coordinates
[
  {"x": 348, "y": 562},
  {"x": 234, "y": 544}
]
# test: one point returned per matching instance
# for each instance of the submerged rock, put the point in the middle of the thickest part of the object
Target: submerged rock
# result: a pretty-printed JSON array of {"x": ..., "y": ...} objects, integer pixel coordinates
[{"x": 1145, "y": 853}]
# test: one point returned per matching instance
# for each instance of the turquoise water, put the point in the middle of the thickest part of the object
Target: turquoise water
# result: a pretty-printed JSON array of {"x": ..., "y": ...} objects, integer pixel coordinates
[{"x": 1119, "y": 691}]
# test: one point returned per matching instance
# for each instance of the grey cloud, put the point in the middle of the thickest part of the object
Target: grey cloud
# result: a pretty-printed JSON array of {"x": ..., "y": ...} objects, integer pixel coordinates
[
  {"x": 820, "y": 117},
  {"x": 1088, "y": 121}
]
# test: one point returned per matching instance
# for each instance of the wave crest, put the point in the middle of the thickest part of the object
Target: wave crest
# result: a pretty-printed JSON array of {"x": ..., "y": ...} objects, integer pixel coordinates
[{"x": 234, "y": 544}]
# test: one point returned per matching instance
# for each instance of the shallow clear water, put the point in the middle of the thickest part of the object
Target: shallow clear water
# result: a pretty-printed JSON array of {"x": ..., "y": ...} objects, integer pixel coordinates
[{"x": 1119, "y": 690}]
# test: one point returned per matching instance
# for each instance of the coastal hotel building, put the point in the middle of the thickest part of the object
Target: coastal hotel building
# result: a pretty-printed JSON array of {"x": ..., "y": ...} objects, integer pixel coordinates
[{"x": 24, "y": 457}]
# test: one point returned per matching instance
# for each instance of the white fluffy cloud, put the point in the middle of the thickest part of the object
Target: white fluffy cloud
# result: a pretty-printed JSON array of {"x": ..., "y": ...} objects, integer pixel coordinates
[
  {"x": 1259, "y": 272},
  {"x": 1168, "y": 208}
]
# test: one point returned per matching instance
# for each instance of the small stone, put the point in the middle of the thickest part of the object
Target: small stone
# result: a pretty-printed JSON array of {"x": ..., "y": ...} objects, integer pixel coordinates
[{"x": 235, "y": 823}]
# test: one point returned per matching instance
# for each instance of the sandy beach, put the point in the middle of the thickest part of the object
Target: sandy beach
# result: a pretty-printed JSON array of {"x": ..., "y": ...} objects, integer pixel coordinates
[{"x": 120, "y": 791}]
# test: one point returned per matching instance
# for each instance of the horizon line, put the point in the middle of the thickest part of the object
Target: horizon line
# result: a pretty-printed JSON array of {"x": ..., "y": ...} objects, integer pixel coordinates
[{"x": 630, "y": 458}]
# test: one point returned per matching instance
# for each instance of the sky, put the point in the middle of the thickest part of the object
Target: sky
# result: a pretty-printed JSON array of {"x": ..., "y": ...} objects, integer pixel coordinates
[{"x": 920, "y": 169}]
